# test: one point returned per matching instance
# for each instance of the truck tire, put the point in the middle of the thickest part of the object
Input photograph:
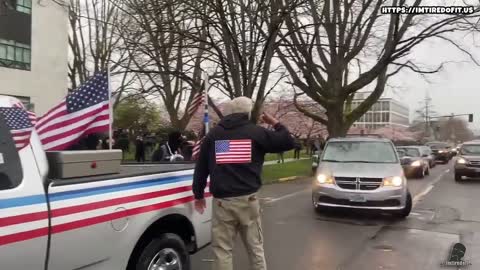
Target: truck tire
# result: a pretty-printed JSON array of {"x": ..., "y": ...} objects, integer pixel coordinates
[
  {"x": 407, "y": 209},
  {"x": 167, "y": 250}
]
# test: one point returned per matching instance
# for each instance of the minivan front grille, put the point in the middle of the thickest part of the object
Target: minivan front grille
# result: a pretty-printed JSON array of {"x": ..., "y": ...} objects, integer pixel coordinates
[
  {"x": 358, "y": 183},
  {"x": 474, "y": 163}
]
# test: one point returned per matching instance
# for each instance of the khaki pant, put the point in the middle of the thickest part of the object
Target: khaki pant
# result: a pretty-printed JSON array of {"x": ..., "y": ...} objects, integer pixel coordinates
[{"x": 237, "y": 215}]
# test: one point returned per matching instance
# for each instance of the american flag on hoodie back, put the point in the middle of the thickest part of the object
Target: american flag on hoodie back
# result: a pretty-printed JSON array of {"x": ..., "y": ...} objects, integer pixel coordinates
[{"x": 233, "y": 151}]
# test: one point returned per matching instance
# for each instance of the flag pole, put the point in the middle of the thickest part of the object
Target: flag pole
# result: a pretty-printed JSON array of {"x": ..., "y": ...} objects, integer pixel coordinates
[
  {"x": 205, "y": 98},
  {"x": 110, "y": 111}
]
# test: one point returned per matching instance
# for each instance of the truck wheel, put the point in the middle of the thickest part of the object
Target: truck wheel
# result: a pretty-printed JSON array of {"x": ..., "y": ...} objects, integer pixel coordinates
[
  {"x": 407, "y": 209},
  {"x": 458, "y": 178},
  {"x": 168, "y": 251}
]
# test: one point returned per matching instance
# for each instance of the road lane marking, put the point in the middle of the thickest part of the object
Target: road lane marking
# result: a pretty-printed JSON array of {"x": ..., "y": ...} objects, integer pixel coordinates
[
  {"x": 287, "y": 196},
  {"x": 429, "y": 188}
]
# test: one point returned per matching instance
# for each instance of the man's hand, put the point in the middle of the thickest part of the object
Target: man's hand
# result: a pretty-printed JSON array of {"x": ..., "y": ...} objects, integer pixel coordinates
[
  {"x": 200, "y": 205},
  {"x": 268, "y": 119}
]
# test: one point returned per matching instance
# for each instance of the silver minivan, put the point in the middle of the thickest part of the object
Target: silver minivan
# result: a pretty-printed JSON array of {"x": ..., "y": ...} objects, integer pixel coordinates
[{"x": 361, "y": 173}]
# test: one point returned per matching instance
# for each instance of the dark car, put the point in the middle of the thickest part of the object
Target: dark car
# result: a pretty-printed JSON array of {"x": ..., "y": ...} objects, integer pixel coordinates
[
  {"x": 414, "y": 161},
  {"x": 441, "y": 151},
  {"x": 468, "y": 161}
]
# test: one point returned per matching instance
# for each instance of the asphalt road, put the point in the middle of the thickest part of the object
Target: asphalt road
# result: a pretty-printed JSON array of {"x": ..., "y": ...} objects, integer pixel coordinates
[{"x": 296, "y": 237}]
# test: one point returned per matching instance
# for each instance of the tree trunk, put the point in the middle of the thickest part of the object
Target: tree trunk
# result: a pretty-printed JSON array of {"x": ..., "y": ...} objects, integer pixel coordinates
[{"x": 337, "y": 127}]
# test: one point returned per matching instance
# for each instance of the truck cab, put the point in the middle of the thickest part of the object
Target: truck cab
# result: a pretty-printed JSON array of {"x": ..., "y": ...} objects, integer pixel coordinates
[{"x": 83, "y": 210}]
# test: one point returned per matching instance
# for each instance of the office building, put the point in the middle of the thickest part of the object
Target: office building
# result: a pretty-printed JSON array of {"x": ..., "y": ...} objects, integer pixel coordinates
[
  {"x": 385, "y": 112},
  {"x": 33, "y": 52}
]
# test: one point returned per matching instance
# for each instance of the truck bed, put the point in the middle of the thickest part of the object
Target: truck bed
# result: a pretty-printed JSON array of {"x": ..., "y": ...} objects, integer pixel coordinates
[{"x": 129, "y": 170}]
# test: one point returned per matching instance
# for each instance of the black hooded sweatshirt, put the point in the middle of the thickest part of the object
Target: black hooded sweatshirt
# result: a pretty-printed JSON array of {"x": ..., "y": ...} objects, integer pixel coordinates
[{"x": 237, "y": 179}]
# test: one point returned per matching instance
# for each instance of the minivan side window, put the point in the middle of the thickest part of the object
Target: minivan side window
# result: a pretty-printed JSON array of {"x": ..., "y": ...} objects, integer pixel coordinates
[{"x": 11, "y": 173}]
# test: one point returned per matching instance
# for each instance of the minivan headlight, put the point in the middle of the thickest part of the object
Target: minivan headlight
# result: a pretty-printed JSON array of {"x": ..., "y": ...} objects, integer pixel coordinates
[
  {"x": 324, "y": 179},
  {"x": 394, "y": 181},
  {"x": 461, "y": 161}
]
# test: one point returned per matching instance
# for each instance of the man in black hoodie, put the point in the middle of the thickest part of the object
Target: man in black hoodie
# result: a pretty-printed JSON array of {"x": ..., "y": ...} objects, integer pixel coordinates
[{"x": 232, "y": 154}]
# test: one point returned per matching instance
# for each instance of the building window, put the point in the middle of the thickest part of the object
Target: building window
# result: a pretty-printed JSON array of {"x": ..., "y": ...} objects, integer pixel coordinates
[
  {"x": 385, "y": 117},
  {"x": 385, "y": 105},
  {"x": 14, "y": 54},
  {"x": 24, "y": 6}
]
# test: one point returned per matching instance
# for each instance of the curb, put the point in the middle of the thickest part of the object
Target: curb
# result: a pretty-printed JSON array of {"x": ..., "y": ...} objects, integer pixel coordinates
[{"x": 285, "y": 179}]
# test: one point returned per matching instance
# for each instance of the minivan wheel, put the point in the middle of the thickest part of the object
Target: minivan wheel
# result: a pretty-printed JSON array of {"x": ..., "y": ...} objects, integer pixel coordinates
[
  {"x": 168, "y": 251},
  {"x": 458, "y": 177},
  {"x": 405, "y": 212},
  {"x": 428, "y": 171}
]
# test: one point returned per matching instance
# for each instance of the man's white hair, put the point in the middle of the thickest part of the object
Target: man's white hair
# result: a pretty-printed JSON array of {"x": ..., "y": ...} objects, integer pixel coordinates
[{"x": 239, "y": 105}]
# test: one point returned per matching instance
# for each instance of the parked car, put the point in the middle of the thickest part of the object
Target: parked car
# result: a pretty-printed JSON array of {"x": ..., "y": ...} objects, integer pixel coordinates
[
  {"x": 83, "y": 210},
  {"x": 414, "y": 160},
  {"x": 468, "y": 161},
  {"x": 441, "y": 151},
  {"x": 361, "y": 173}
]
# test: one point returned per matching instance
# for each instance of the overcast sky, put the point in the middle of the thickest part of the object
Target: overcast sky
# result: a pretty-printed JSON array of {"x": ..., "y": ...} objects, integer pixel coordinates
[{"x": 454, "y": 90}]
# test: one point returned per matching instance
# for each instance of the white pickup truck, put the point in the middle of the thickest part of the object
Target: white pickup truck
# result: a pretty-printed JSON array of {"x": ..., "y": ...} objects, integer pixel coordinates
[{"x": 140, "y": 218}]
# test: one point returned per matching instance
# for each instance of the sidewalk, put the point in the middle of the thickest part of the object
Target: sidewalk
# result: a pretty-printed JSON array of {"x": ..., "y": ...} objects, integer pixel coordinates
[{"x": 272, "y": 162}]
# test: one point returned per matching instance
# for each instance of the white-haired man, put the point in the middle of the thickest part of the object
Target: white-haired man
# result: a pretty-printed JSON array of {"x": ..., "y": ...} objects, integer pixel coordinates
[{"x": 233, "y": 154}]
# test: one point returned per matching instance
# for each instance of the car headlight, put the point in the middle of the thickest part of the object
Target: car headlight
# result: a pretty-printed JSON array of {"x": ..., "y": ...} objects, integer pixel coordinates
[
  {"x": 461, "y": 161},
  {"x": 324, "y": 179},
  {"x": 441, "y": 151},
  {"x": 417, "y": 163},
  {"x": 395, "y": 181}
]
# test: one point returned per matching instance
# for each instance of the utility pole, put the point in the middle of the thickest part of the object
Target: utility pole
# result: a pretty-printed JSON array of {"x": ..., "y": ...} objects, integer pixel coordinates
[{"x": 427, "y": 112}]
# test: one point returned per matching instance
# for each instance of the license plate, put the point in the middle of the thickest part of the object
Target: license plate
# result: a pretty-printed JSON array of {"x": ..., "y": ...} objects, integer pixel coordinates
[{"x": 357, "y": 198}]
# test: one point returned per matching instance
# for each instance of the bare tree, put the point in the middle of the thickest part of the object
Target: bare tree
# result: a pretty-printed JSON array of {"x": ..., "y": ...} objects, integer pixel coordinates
[
  {"x": 95, "y": 43},
  {"x": 333, "y": 49},
  {"x": 454, "y": 129},
  {"x": 165, "y": 56},
  {"x": 241, "y": 38}
]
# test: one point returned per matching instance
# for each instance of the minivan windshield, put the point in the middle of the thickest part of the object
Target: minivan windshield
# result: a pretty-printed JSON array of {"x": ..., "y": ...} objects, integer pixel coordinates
[
  {"x": 360, "y": 151},
  {"x": 471, "y": 150}
]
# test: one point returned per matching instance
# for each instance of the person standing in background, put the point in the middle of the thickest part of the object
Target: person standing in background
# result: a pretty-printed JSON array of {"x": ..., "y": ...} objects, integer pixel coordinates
[
  {"x": 297, "y": 149},
  {"x": 139, "y": 149},
  {"x": 280, "y": 158}
]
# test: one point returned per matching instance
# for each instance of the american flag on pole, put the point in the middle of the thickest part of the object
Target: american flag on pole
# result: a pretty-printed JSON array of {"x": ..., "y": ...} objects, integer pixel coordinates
[
  {"x": 233, "y": 151},
  {"x": 198, "y": 99},
  {"x": 203, "y": 100},
  {"x": 19, "y": 124},
  {"x": 196, "y": 148},
  {"x": 82, "y": 112}
]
